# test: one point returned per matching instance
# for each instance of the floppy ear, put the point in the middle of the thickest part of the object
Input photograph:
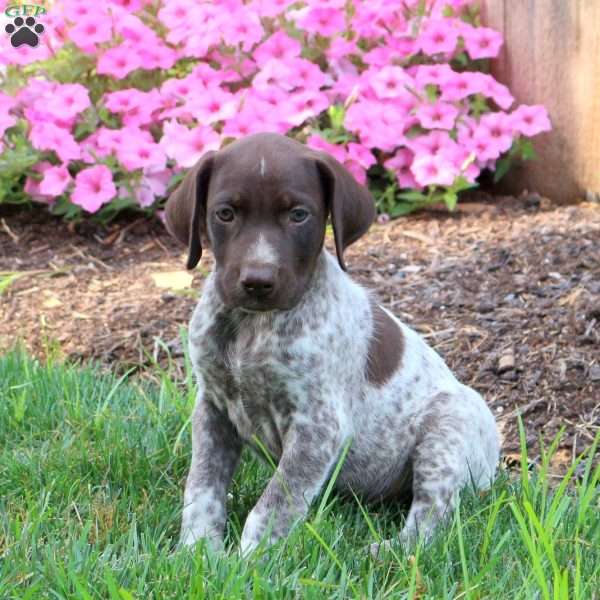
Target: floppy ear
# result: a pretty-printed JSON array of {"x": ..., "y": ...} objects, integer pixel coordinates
[
  {"x": 350, "y": 204},
  {"x": 185, "y": 212}
]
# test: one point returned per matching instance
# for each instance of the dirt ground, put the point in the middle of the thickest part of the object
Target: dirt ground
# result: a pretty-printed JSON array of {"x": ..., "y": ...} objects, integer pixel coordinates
[{"x": 507, "y": 292}]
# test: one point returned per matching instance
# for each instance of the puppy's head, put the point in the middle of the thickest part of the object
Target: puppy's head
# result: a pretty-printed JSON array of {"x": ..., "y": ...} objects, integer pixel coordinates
[{"x": 261, "y": 204}]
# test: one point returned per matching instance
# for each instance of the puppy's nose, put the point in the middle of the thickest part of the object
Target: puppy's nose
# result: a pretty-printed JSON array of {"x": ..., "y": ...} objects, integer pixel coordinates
[{"x": 258, "y": 282}]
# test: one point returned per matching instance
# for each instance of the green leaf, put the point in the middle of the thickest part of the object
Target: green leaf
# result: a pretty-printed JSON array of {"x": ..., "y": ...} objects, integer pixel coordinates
[
  {"x": 336, "y": 114},
  {"x": 431, "y": 92},
  {"x": 461, "y": 184},
  {"x": 412, "y": 196},
  {"x": 7, "y": 278},
  {"x": 527, "y": 150},
  {"x": 109, "y": 211},
  {"x": 404, "y": 208},
  {"x": 450, "y": 199},
  {"x": 63, "y": 208},
  {"x": 502, "y": 167},
  {"x": 479, "y": 105},
  {"x": 462, "y": 60}
]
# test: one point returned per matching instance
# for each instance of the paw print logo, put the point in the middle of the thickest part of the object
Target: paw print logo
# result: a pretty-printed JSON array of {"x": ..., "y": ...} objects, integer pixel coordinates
[{"x": 24, "y": 31}]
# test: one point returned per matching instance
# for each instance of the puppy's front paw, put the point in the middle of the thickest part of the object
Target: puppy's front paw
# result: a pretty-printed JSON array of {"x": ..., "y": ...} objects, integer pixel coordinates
[
  {"x": 248, "y": 546},
  {"x": 252, "y": 534},
  {"x": 190, "y": 537}
]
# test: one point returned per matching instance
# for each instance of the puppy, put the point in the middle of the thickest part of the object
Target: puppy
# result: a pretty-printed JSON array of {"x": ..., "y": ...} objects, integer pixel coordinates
[{"x": 293, "y": 357}]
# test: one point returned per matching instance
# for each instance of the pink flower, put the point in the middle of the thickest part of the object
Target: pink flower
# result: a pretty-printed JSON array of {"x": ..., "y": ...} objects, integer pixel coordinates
[
  {"x": 7, "y": 102},
  {"x": 55, "y": 181},
  {"x": 400, "y": 164},
  {"x": 271, "y": 8},
  {"x": 212, "y": 105},
  {"x": 186, "y": 146},
  {"x": 498, "y": 127},
  {"x": 150, "y": 187},
  {"x": 434, "y": 169},
  {"x": 35, "y": 116},
  {"x": 483, "y": 146},
  {"x": 254, "y": 117},
  {"x": 130, "y": 5},
  {"x": 305, "y": 105},
  {"x": 379, "y": 125},
  {"x": 481, "y": 42},
  {"x": 68, "y": 100},
  {"x": 390, "y": 82},
  {"x": 32, "y": 185},
  {"x": 530, "y": 120},
  {"x": 439, "y": 75},
  {"x": 433, "y": 143},
  {"x": 111, "y": 140},
  {"x": 36, "y": 91},
  {"x": 438, "y": 36},
  {"x": 275, "y": 72},
  {"x": 90, "y": 30},
  {"x": 306, "y": 75},
  {"x": 134, "y": 31},
  {"x": 123, "y": 100},
  {"x": 157, "y": 181},
  {"x": 460, "y": 86},
  {"x": 439, "y": 115},
  {"x": 179, "y": 89},
  {"x": 465, "y": 130},
  {"x": 358, "y": 171},
  {"x": 319, "y": 143},
  {"x": 137, "y": 155},
  {"x": 340, "y": 48},
  {"x": 375, "y": 19},
  {"x": 490, "y": 88},
  {"x": 361, "y": 155},
  {"x": 157, "y": 56},
  {"x": 32, "y": 188},
  {"x": 118, "y": 61},
  {"x": 465, "y": 161},
  {"x": 279, "y": 46},
  {"x": 207, "y": 76},
  {"x": 325, "y": 21},
  {"x": 78, "y": 10},
  {"x": 93, "y": 188},
  {"x": 136, "y": 107},
  {"x": 47, "y": 136},
  {"x": 175, "y": 13},
  {"x": 243, "y": 29}
]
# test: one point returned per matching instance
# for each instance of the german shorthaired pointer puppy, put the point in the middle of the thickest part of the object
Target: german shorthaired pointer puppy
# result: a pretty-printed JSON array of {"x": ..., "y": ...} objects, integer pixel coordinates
[{"x": 294, "y": 357}]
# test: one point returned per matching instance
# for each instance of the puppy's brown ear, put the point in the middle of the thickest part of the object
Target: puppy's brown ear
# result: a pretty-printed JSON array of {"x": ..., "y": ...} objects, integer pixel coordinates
[
  {"x": 350, "y": 204},
  {"x": 185, "y": 212}
]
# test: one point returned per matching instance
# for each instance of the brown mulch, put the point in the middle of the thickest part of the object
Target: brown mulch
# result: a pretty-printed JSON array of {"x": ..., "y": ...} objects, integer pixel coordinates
[{"x": 507, "y": 292}]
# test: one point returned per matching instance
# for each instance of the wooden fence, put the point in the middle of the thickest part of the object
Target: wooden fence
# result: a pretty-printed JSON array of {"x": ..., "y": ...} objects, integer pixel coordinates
[{"x": 551, "y": 56}]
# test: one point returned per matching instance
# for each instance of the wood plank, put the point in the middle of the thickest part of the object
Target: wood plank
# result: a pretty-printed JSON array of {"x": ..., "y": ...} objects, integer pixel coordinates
[{"x": 551, "y": 56}]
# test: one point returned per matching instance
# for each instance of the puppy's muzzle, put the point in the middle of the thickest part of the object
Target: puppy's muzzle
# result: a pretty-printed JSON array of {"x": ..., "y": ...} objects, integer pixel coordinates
[{"x": 258, "y": 281}]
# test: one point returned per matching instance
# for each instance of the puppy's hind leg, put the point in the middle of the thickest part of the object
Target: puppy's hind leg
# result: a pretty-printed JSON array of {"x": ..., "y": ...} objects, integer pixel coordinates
[{"x": 447, "y": 456}]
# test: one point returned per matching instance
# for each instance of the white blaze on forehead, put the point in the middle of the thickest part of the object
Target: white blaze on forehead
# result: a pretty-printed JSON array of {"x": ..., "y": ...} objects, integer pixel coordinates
[
  {"x": 263, "y": 166},
  {"x": 262, "y": 252}
]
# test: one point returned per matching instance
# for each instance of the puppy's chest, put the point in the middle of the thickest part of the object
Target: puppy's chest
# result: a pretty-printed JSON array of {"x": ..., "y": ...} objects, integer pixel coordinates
[{"x": 247, "y": 374}]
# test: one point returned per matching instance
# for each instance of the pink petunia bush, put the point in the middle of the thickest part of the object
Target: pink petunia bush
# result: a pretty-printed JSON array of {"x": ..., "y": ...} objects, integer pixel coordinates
[{"x": 121, "y": 96}]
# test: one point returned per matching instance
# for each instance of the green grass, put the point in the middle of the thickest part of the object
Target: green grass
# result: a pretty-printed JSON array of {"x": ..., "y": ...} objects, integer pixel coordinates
[{"x": 91, "y": 473}]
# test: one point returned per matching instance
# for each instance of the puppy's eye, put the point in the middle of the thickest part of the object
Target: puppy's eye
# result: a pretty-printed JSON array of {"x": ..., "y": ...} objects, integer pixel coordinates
[
  {"x": 298, "y": 215},
  {"x": 225, "y": 214}
]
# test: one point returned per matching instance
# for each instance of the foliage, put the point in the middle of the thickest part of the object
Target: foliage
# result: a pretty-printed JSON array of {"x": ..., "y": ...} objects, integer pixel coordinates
[{"x": 119, "y": 96}]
